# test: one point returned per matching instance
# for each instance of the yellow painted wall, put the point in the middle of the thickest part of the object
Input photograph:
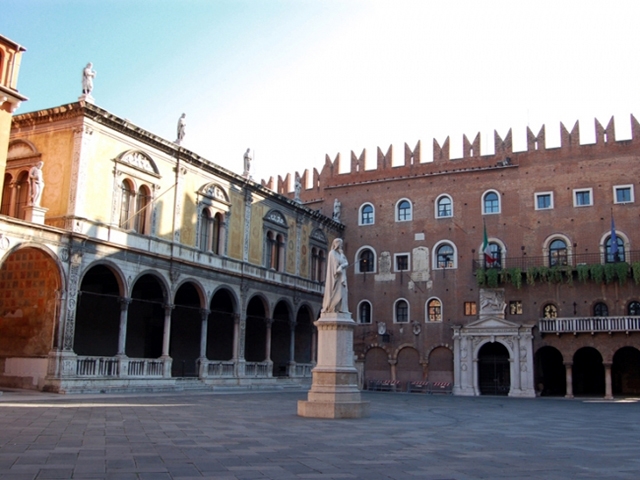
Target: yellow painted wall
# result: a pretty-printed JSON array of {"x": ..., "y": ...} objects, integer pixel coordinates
[
  {"x": 236, "y": 230},
  {"x": 256, "y": 240}
]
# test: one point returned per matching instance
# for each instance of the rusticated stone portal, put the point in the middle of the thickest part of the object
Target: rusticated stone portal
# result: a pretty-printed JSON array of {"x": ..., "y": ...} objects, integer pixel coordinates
[{"x": 29, "y": 279}]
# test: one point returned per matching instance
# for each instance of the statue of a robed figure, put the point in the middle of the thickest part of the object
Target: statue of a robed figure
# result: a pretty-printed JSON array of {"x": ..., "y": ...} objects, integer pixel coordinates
[{"x": 334, "y": 392}]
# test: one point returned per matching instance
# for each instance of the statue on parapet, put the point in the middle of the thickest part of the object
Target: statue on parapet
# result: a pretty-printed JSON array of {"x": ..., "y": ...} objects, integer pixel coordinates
[
  {"x": 36, "y": 184},
  {"x": 88, "y": 74},
  {"x": 181, "y": 129},
  {"x": 247, "y": 164},
  {"x": 297, "y": 188},
  {"x": 335, "y": 286},
  {"x": 337, "y": 210}
]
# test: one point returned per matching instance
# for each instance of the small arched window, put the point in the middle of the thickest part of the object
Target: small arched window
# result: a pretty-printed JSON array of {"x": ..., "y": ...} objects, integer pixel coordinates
[
  {"x": 495, "y": 252},
  {"x": 558, "y": 253},
  {"x": 403, "y": 211},
  {"x": 5, "y": 209},
  {"x": 444, "y": 207},
  {"x": 434, "y": 310},
  {"x": 401, "y": 311},
  {"x": 366, "y": 214},
  {"x": 206, "y": 227},
  {"x": 445, "y": 256},
  {"x": 633, "y": 308},
  {"x": 364, "y": 312},
  {"x": 550, "y": 311},
  {"x": 366, "y": 261},
  {"x": 600, "y": 309},
  {"x": 614, "y": 252},
  {"x": 490, "y": 203}
]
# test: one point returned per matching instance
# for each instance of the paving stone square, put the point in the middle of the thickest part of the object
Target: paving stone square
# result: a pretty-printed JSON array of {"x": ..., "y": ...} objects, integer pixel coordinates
[{"x": 258, "y": 435}]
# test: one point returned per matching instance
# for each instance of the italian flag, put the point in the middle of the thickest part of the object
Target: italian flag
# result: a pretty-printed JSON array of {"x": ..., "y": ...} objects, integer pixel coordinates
[{"x": 488, "y": 258}]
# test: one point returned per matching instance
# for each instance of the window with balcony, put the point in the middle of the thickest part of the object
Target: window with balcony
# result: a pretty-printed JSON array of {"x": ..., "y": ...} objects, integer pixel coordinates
[
  {"x": 614, "y": 255},
  {"x": 549, "y": 311},
  {"x": 558, "y": 253},
  {"x": 600, "y": 309},
  {"x": 633, "y": 308}
]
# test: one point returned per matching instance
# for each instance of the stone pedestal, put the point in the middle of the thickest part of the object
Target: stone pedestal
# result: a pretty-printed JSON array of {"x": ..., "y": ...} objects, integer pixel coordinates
[
  {"x": 35, "y": 214},
  {"x": 334, "y": 392}
]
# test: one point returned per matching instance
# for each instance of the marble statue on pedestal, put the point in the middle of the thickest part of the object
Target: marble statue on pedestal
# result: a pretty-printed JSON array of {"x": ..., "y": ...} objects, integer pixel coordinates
[{"x": 36, "y": 184}]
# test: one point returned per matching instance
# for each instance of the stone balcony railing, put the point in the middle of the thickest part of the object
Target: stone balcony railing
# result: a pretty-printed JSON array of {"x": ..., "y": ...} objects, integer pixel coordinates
[{"x": 589, "y": 325}]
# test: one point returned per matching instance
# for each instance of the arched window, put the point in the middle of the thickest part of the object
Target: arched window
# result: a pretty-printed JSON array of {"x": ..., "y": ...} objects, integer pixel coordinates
[
  {"x": 22, "y": 195},
  {"x": 364, "y": 312},
  {"x": 141, "y": 215},
  {"x": 127, "y": 205},
  {"x": 549, "y": 311},
  {"x": 444, "y": 207},
  {"x": 275, "y": 251},
  {"x": 633, "y": 308},
  {"x": 403, "y": 211},
  {"x": 614, "y": 255},
  {"x": 366, "y": 214},
  {"x": 558, "y": 254},
  {"x": 434, "y": 310},
  {"x": 401, "y": 311},
  {"x": 366, "y": 261},
  {"x": 216, "y": 239},
  {"x": 490, "y": 203},
  {"x": 445, "y": 256},
  {"x": 206, "y": 227},
  {"x": 600, "y": 309},
  {"x": 6, "y": 195},
  {"x": 318, "y": 264}
]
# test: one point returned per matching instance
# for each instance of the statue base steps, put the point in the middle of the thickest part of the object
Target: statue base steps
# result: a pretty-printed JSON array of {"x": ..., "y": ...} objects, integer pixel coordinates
[{"x": 334, "y": 392}]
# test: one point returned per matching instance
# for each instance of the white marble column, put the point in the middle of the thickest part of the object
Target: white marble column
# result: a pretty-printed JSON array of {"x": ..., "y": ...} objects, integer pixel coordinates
[
  {"x": 608, "y": 391},
  {"x": 122, "y": 332}
]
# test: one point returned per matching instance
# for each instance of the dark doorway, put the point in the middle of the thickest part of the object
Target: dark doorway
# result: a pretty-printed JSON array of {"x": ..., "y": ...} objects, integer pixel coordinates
[
  {"x": 494, "y": 377},
  {"x": 256, "y": 331},
  {"x": 588, "y": 372},
  {"x": 550, "y": 372},
  {"x": 186, "y": 330},
  {"x": 281, "y": 340},
  {"x": 625, "y": 372},
  {"x": 221, "y": 326}
]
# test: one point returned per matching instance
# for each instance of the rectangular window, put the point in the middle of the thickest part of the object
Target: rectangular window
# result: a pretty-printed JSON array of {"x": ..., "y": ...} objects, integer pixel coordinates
[
  {"x": 470, "y": 308},
  {"x": 515, "y": 307},
  {"x": 402, "y": 262},
  {"x": 623, "y": 194},
  {"x": 544, "y": 201},
  {"x": 583, "y": 197}
]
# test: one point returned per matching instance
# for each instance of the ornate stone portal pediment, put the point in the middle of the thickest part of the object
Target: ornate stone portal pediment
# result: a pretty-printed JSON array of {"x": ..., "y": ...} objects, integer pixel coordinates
[
  {"x": 490, "y": 324},
  {"x": 138, "y": 160}
]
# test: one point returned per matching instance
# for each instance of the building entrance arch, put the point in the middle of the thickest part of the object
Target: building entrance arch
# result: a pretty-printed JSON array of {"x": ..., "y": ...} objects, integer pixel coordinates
[
  {"x": 186, "y": 329},
  {"x": 588, "y": 372},
  {"x": 625, "y": 372},
  {"x": 550, "y": 372},
  {"x": 494, "y": 376}
]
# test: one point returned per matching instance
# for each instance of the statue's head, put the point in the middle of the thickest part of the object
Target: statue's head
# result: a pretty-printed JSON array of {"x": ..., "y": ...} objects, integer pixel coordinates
[{"x": 337, "y": 244}]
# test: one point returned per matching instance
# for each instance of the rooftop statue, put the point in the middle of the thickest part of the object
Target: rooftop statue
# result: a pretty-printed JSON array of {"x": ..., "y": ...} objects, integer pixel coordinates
[
  {"x": 87, "y": 79},
  {"x": 182, "y": 127},
  {"x": 247, "y": 164}
]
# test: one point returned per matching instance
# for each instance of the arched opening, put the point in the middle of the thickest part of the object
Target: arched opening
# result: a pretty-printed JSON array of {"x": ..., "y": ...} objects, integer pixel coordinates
[
  {"x": 142, "y": 213},
  {"x": 255, "y": 332},
  {"x": 145, "y": 324},
  {"x": 98, "y": 314},
  {"x": 281, "y": 340},
  {"x": 303, "y": 336},
  {"x": 29, "y": 279},
  {"x": 588, "y": 372},
  {"x": 408, "y": 368},
  {"x": 221, "y": 326},
  {"x": 5, "y": 208},
  {"x": 550, "y": 372},
  {"x": 376, "y": 366},
  {"x": 186, "y": 330},
  {"x": 494, "y": 376},
  {"x": 441, "y": 365},
  {"x": 625, "y": 372}
]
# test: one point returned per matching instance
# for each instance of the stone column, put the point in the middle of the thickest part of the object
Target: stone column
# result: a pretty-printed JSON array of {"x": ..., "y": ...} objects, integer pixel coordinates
[
  {"x": 569, "y": 378},
  {"x": 267, "y": 349},
  {"x": 122, "y": 332},
  {"x": 202, "y": 361},
  {"x": 239, "y": 328},
  {"x": 393, "y": 364},
  {"x": 608, "y": 391},
  {"x": 314, "y": 343},
  {"x": 166, "y": 337},
  {"x": 516, "y": 385},
  {"x": 292, "y": 349}
]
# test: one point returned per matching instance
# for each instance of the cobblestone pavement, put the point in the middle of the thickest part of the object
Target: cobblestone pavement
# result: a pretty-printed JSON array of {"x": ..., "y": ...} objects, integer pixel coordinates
[{"x": 259, "y": 436}]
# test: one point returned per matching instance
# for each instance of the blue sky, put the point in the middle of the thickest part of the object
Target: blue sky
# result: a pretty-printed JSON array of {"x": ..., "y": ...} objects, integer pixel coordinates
[{"x": 295, "y": 80}]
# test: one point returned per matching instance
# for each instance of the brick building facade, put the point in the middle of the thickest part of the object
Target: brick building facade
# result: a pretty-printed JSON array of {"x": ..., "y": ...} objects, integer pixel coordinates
[{"x": 550, "y": 306}]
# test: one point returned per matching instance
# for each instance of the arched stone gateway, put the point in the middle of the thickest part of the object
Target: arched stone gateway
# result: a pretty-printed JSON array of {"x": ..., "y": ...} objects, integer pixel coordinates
[
  {"x": 281, "y": 341},
  {"x": 492, "y": 327},
  {"x": 494, "y": 376},
  {"x": 550, "y": 372},
  {"x": 408, "y": 367},
  {"x": 376, "y": 365},
  {"x": 441, "y": 365},
  {"x": 29, "y": 316},
  {"x": 186, "y": 330}
]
